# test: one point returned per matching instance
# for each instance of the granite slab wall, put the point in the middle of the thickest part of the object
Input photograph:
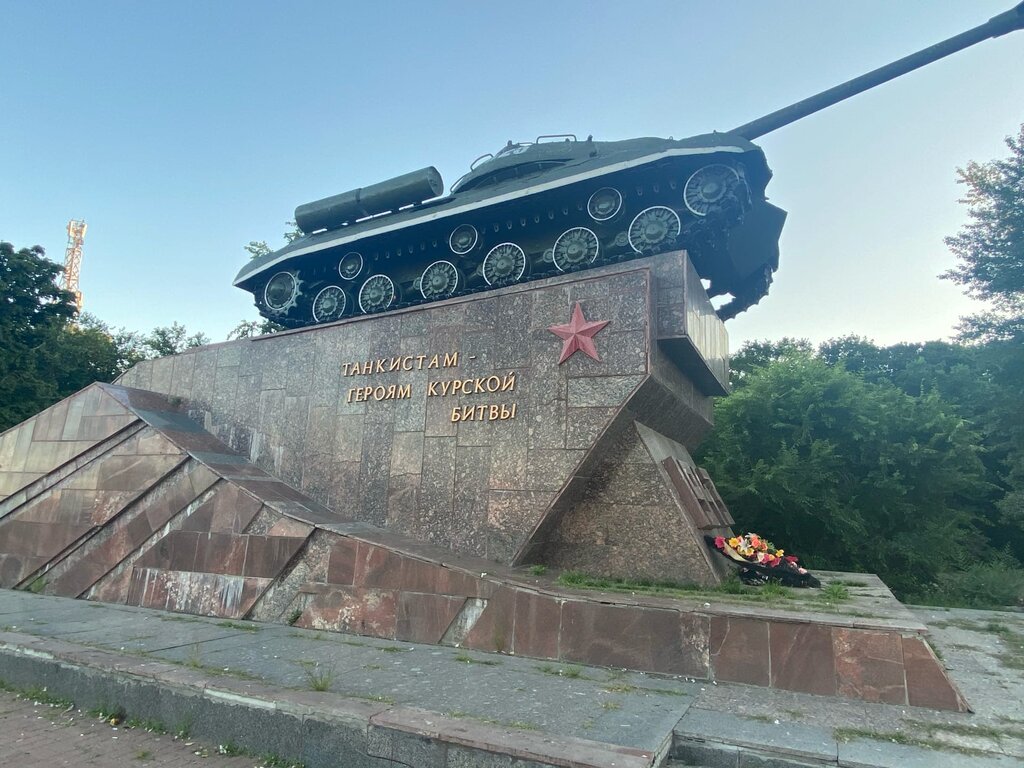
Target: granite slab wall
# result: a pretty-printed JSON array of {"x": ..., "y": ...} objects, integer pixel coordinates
[
  {"x": 192, "y": 526},
  {"x": 455, "y": 422}
]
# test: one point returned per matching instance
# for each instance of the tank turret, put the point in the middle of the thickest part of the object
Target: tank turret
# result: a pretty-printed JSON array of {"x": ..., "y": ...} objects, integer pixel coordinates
[{"x": 557, "y": 204}]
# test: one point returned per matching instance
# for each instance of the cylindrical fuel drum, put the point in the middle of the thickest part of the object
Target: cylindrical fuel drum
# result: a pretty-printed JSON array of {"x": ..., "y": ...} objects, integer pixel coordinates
[{"x": 388, "y": 195}]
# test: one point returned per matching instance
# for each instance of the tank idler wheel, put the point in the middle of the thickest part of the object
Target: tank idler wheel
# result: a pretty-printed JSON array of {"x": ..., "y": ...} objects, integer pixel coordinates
[
  {"x": 654, "y": 229},
  {"x": 330, "y": 304},
  {"x": 439, "y": 281},
  {"x": 377, "y": 294},
  {"x": 504, "y": 264},
  {"x": 708, "y": 187},
  {"x": 282, "y": 292},
  {"x": 574, "y": 248}
]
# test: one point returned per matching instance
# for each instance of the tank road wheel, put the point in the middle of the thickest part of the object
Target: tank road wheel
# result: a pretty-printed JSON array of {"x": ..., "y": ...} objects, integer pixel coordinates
[
  {"x": 604, "y": 204},
  {"x": 708, "y": 186},
  {"x": 574, "y": 248},
  {"x": 350, "y": 266},
  {"x": 504, "y": 264},
  {"x": 330, "y": 304},
  {"x": 282, "y": 292},
  {"x": 377, "y": 294},
  {"x": 439, "y": 281},
  {"x": 653, "y": 229},
  {"x": 463, "y": 239}
]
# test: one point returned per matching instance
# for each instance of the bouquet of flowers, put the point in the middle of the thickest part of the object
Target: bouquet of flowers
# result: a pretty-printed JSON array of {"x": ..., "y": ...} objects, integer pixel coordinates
[{"x": 762, "y": 561}]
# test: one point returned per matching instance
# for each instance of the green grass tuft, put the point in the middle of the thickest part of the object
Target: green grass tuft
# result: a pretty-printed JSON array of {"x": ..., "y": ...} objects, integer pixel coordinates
[
  {"x": 834, "y": 593},
  {"x": 467, "y": 659},
  {"x": 238, "y": 625},
  {"x": 317, "y": 678}
]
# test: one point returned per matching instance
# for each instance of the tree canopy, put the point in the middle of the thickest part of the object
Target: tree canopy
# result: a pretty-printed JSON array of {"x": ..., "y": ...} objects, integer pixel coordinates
[
  {"x": 990, "y": 246},
  {"x": 32, "y": 311},
  {"x": 848, "y": 472},
  {"x": 258, "y": 248},
  {"x": 47, "y": 353}
]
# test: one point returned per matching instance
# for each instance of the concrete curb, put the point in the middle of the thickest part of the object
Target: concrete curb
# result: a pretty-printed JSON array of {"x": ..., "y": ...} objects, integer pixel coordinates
[
  {"x": 691, "y": 750},
  {"x": 321, "y": 730}
]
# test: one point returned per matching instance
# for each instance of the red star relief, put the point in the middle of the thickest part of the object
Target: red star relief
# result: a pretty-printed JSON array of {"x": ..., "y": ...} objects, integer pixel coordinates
[{"x": 578, "y": 335}]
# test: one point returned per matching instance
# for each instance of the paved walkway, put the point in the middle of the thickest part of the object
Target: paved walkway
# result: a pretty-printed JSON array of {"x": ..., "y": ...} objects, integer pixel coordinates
[
  {"x": 301, "y": 691},
  {"x": 46, "y": 735}
]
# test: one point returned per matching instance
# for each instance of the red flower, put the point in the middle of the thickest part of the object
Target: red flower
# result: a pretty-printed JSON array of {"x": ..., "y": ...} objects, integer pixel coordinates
[{"x": 720, "y": 542}]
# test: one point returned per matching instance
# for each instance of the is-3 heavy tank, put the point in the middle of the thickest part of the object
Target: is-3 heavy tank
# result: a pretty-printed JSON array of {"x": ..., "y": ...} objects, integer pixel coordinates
[{"x": 551, "y": 206}]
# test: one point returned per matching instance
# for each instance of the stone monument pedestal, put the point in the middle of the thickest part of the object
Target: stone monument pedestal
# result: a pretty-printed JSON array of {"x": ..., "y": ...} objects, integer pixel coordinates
[
  {"x": 469, "y": 424},
  {"x": 394, "y": 475}
]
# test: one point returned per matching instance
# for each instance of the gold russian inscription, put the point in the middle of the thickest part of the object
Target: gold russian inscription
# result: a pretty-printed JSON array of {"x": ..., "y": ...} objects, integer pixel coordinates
[
  {"x": 471, "y": 386},
  {"x": 478, "y": 386},
  {"x": 380, "y": 392},
  {"x": 400, "y": 363},
  {"x": 489, "y": 412}
]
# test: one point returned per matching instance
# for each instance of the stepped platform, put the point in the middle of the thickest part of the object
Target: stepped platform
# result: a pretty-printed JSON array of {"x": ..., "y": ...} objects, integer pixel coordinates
[
  {"x": 125, "y": 500},
  {"x": 329, "y": 699}
]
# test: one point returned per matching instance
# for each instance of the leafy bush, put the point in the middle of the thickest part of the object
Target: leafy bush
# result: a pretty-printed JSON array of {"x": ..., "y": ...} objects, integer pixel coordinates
[
  {"x": 982, "y": 585},
  {"x": 852, "y": 474}
]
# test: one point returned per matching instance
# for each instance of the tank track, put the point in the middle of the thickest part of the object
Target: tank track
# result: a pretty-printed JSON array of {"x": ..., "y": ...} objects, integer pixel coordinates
[{"x": 614, "y": 218}]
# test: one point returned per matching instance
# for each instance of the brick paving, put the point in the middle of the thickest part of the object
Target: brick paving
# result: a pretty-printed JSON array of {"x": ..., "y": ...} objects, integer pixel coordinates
[{"x": 35, "y": 735}]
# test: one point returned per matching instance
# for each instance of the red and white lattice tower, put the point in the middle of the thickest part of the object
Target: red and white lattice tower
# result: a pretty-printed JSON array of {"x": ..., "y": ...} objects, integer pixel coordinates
[{"x": 73, "y": 259}]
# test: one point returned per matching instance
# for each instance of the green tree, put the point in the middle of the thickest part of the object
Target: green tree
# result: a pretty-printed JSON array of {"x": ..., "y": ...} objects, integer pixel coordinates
[
  {"x": 31, "y": 304},
  {"x": 45, "y": 354},
  {"x": 981, "y": 382},
  {"x": 990, "y": 246},
  {"x": 755, "y": 355},
  {"x": 249, "y": 328},
  {"x": 32, "y": 311},
  {"x": 258, "y": 248},
  {"x": 990, "y": 249},
  {"x": 129, "y": 347},
  {"x": 171, "y": 339},
  {"x": 79, "y": 355},
  {"x": 848, "y": 473}
]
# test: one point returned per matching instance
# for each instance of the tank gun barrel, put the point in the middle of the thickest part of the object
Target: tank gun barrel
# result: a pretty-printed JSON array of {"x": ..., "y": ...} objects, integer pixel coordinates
[{"x": 997, "y": 26}]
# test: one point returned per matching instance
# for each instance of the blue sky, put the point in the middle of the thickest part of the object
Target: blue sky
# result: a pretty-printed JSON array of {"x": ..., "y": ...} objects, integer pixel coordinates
[{"x": 182, "y": 131}]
